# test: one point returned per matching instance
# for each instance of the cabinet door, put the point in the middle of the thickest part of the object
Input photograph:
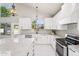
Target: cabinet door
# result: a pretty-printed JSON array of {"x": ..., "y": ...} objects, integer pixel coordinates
[
  {"x": 73, "y": 52},
  {"x": 78, "y": 26},
  {"x": 67, "y": 9},
  {"x": 53, "y": 43},
  {"x": 25, "y": 23},
  {"x": 62, "y": 27},
  {"x": 48, "y": 23},
  {"x": 43, "y": 40},
  {"x": 68, "y": 14},
  {"x": 54, "y": 24}
]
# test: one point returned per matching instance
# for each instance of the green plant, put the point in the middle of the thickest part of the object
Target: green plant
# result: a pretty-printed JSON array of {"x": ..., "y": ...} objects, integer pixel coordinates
[
  {"x": 33, "y": 24},
  {"x": 4, "y": 12},
  {"x": 0, "y": 11}
]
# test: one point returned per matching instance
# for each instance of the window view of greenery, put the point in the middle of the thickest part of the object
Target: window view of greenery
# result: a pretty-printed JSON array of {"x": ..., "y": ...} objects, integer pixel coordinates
[
  {"x": 5, "y": 10},
  {"x": 6, "y": 28},
  {"x": 33, "y": 24},
  {"x": 0, "y": 11},
  {"x": 38, "y": 24}
]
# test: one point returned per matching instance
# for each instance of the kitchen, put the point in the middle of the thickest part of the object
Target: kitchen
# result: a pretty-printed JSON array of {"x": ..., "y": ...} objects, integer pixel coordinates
[{"x": 34, "y": 29}]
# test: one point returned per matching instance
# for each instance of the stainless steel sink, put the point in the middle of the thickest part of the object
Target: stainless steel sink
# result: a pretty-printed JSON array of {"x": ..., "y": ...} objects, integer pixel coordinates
[{"x": 28, "y": 36}]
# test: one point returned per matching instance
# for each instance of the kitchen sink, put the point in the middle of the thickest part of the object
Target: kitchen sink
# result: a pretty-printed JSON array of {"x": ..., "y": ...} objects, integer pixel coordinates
[{"x": 28, "y": 36}]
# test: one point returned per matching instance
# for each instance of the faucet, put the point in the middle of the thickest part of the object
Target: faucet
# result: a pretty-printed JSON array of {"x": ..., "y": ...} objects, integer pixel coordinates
[{"x": 37, "y": 29}]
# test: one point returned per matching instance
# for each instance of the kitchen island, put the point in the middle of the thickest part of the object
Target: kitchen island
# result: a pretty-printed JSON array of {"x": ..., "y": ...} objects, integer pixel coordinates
[{"x": 24, "y": 45}]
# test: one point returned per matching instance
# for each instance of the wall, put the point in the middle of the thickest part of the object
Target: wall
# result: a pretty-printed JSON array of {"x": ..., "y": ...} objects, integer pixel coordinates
[{"x": 72, "y": 29}]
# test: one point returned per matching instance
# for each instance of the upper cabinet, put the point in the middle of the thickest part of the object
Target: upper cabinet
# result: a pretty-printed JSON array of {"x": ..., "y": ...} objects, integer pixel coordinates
[
  {"x": 57, "y": 18},
  {"x": 48, "y": 23},
  {"x": 52, "y": 23},
  {"x": 67, "y": 9},
  {"x": 68, "y": 20},
  {"x": 70, "y": 13},
  {"x": 15, "y": 28},
  {"x": 25, "y": 23}
]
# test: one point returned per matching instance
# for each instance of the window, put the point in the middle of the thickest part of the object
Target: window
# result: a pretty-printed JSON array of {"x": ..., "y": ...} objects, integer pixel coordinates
[
  {"x": 39, "y": 23},
  {"x": 5, "y": 9}
]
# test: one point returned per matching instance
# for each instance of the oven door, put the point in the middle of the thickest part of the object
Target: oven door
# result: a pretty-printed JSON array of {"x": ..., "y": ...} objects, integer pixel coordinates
[{"x": 61, "y": 50}]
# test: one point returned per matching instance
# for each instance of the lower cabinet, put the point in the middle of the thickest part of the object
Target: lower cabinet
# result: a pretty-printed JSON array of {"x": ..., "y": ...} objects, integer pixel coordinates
[
  {"x": 73, "y": 52},
  {"x": 53, "y": 43},
  {"x": 30, "y": 52}
]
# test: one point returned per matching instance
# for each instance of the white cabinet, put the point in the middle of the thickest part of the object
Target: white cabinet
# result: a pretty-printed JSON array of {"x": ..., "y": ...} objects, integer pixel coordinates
[
  {"x": 68, "y": 20},
  {"x": 54, "y": 25},
  {"x": 59, "y": 26},
  {"x": 72, "y": 52},
  {"x": 53, "y": 43},
  {"x": 1, "y": 30},
  {"x": 67, "y": 9},
  {"x": 25, "y": 23},
  {"x": 15, "y": 28},
  {"x": 78, "y": 26},
  {"x": 65, "y": 21},
  {"x": 75, "y": 14},
  {"x": 48, "y": 23},
  {"x": 62, "y": 27},
  {"x": 57, "y": 19},
  {"x": 70, "y": 13},
  {"x": 43, "y": 40}
]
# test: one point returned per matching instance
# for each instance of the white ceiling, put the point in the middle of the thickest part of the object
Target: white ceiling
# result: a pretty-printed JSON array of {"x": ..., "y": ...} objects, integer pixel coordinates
[{"x": 48, "y": 9}]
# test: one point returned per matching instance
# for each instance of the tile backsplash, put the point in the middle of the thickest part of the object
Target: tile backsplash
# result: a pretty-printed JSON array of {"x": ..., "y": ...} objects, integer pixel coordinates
[
  {"x": 33, "y": 32},
  {"x": 72, "y": 29}
]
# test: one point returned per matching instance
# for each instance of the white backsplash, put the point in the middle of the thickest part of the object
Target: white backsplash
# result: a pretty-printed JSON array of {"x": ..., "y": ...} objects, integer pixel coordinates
[
  {"x": 72, "y": 29},
  {"x": 34, "y": 32}
]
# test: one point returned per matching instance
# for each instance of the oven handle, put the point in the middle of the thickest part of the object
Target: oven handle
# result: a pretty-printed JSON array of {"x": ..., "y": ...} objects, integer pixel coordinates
[{"x": 61, "y": 44}]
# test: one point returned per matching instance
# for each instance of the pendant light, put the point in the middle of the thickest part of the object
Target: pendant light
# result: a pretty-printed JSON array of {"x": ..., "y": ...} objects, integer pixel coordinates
[
  {"x": 36, "y": 12},
  {"x": 13, "y": 10},
  {"x": 36, "y": 17},
  {"x": 37, "y": 28}
]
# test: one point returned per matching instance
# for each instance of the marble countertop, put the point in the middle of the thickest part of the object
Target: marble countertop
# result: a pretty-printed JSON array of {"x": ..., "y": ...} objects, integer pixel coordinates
[
  {"x": 74, "y": 47},
  {"x": 16, "y": 46},
  {"x": 33, "y": 36},
  {"x": 23, "y": 45}
]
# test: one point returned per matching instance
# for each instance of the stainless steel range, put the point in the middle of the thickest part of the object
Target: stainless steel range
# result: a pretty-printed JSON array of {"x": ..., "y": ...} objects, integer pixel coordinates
[{"x": 62, "y": 44}]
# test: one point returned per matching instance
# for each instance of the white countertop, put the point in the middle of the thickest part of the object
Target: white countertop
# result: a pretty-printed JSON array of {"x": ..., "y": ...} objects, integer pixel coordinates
[
  {"x": 74, "y": 47},
  {"x": 23, "y": 45},
  {"x": 16, "y": 46}
]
